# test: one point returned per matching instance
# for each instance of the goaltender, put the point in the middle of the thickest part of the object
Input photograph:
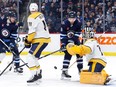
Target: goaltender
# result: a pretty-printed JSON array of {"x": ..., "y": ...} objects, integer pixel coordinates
[{"x": 96, "y": 61}]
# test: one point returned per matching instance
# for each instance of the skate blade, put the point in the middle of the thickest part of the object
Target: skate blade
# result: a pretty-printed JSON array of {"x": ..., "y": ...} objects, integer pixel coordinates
[
  {"x": 18, "y": 73},
  {"x": 65, "y": 78},
  {"x": 110, "y": 82},
  {"x": 34, "y": 83}
]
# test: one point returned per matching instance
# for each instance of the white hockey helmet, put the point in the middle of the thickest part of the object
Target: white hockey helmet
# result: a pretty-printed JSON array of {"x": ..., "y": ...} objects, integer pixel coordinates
[{"x": 33, "y": 7}]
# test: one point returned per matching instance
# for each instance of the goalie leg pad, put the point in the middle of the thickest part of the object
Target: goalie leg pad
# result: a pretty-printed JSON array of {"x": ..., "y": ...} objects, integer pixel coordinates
[{"x": 93, "y": 77}]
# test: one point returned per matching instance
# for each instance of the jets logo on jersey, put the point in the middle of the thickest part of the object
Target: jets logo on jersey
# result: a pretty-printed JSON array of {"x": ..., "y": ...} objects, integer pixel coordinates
[{"x": 5, "y": 33}]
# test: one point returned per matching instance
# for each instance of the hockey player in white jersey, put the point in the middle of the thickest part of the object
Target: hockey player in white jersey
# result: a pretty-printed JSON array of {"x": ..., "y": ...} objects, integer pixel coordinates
[
  {"x": 37, "y": 39},
  {"x": 95, "y": 58}
]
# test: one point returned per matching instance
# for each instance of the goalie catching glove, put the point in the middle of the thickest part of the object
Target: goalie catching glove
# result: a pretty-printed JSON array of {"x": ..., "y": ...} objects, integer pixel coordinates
[
  {"x": 27, "y": 43},
  {"x": 78, "y": 49}
]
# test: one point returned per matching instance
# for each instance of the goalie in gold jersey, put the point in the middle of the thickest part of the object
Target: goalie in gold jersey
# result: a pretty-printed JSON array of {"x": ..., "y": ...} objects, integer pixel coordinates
[
  {"x": 37, "y": 39},
  {"x": 96, "y": 61}
]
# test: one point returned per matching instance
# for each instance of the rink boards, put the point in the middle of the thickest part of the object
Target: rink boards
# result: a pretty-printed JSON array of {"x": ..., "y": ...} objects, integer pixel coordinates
[{"x": 107, "y": 42}]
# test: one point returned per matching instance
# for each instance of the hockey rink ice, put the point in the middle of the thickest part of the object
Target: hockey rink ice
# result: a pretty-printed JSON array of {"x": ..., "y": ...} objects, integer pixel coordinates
[{"x": 51, "y": 76}]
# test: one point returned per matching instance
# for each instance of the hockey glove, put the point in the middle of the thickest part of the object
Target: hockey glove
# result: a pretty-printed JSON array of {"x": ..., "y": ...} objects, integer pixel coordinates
[
  {"x": 63, "y": 47},
  {"x": 27, "y": 43}
]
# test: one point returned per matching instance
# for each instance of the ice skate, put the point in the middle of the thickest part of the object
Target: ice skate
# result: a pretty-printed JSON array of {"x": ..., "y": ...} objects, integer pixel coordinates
[
  {"x": 18, "y": 70},
  {"x": 65, "y": 75},
  {"x": 35, "y": 79},
  {"x": 79, "y": 71},
  {"x": 109, "y": 80}
]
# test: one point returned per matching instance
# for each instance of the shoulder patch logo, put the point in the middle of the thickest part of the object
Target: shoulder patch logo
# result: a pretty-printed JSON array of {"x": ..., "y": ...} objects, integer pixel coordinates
[{"x": 5, "y": 33}]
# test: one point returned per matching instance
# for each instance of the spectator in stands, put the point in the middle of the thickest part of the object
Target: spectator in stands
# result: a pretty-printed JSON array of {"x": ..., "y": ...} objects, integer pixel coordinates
[
  {"x": 3, "y": 19},
  {"x": 114, "y": 9},
  {"x": 1, "y": 5},
  {"x": 109, "y": 15},
  {"x": 93, "y": 11},
  {"x": 92, "y": 8},
  {"x": 43, "y": 10},
  {"x": 113, "y": 25},
  {"x": 86, "y": 4},
  {"x": 79, "y": 16},
  {"x": 99, "y": 27},
  {"x": 53, "y": 8},
  {"x": 8, "y": 6},
  {"x": 50, "y": 21},
  {"x": 87, "y": 10},
  {"x": 86, "y": 16},
  {"x": 92, "y": 19}
]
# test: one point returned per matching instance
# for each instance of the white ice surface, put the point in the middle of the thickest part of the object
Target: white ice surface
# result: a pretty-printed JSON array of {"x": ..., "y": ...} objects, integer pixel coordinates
[{"x": 51, "y": 76}]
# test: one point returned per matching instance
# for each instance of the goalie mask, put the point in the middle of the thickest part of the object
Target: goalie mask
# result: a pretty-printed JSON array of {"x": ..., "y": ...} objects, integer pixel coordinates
[
  {"x": 91, "y": 34},
  {"x": 88, "y": 32}
]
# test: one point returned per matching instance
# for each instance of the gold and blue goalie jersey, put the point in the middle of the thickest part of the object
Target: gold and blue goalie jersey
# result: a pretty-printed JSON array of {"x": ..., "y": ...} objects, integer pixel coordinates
[{"x": 38, "y": 29}]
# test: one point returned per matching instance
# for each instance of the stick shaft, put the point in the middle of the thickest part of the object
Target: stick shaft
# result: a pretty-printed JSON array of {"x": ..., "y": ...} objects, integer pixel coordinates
[
  {"x": 6, "y": 67},
  {"x": 52, "y": 53}
]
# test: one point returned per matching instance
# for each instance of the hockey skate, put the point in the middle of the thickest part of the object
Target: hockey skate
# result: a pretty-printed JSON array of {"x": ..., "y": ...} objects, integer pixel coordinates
[
  {"x": 35, "y": 79},
  {"x": 18, "y": 70},
  {"x": 79, "y": 71},
  {"x": 65, "y": 75},
  {"x": 109, "y": 80}
]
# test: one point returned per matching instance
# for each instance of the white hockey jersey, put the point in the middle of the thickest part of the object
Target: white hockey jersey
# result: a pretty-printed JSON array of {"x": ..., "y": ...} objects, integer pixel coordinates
[
  {"x": 96, "y": 52},
  {"x": 38, "y": 29}
]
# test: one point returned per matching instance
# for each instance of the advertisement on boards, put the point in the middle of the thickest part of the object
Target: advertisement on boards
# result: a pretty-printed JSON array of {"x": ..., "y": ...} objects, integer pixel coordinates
[{"x": 106, "y": 41}]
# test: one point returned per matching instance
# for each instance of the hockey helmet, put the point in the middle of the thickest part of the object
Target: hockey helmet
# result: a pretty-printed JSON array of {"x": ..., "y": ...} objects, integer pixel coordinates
[
  {"x": 72, "y": 14},
  {"x": 88, "y": 35},
  {"x": 33, "y": 7}
]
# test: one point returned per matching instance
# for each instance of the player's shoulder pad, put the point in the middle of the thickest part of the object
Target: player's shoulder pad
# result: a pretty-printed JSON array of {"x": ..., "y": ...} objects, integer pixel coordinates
[
  {"x": 66, "y": 22},
  {"x": 35, "y": 15}
]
